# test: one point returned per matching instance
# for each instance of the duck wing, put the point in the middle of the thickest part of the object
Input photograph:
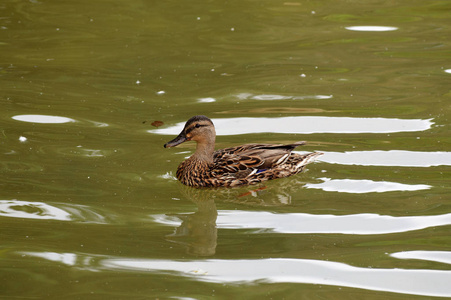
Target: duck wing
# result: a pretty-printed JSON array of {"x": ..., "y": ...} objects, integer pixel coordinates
[
  {"x": 246, "y": 159},
  {"x": 248, "y": 147}
]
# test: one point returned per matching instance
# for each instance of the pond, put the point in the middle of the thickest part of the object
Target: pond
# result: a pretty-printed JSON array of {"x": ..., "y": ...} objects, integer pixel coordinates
[{"x": 91, "y": 91}]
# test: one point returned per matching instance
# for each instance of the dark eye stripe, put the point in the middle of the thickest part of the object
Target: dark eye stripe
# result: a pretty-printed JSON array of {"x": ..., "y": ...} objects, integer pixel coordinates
[{"x": 191, "y": 128}]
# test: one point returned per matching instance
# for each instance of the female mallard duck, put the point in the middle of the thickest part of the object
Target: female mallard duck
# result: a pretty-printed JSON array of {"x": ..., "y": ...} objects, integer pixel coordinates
[{"x": 245, "y": 164}]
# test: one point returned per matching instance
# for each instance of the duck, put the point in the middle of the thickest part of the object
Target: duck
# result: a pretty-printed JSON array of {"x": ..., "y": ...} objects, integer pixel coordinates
[{"x": 246, "y": 164}]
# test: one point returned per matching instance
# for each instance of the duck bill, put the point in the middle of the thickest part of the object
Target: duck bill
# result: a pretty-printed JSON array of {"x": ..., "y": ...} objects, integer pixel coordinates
[{"x": 177, "y": 141}]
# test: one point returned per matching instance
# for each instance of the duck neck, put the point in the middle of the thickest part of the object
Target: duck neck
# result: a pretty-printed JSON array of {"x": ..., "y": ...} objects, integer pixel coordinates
[{"x": 204, "y": 151}]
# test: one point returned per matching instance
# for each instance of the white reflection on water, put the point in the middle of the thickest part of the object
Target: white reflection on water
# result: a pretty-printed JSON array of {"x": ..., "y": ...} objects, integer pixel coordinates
[
  {"x": 308, "y": 125},
  {"x": 79, "y": 261},
  {"x": 39, "y": 210},
  {"x": 371, "y": 28},
  {"x": 414, "y": 282},
  {"x": 398, "y": 158},
  {"x": 42, "y": 119},
  {"x": 301, "y": 223},
  {"x": 65, "y": 258},
  {"x": 266, "y": 97},
  {"x": 438, "y": 256},
  {"x": 364, "y": 186},
  {"x": 206, "y": 100},
  {"x": 32, "y": 210},
  {"x": 405, "y": 281}
]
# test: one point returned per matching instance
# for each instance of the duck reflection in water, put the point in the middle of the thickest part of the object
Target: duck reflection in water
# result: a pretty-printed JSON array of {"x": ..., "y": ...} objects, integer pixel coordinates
[{"x": 198, "y": 231}]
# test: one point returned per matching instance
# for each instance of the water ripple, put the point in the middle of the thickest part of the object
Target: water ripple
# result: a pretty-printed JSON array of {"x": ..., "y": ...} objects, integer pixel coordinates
[
  {"x": 42, "y": 119},
  {"x": 32, "y": 210},
  {"x": 302, "y": 223},
  {"x": 437, "y": 256},
  {"x": 308, "y": 125},
  {"x": 363, "y": 186},
  {"x": 43, "y": 211},
  {"x": 78, "y": 151},
  {"x": 267, "y": 97},
  {"x": 69, "y": 259},
  {"x": 425, "y": 282},
  {"x": 19, "y": 167},
  {"x": 414, "y": 282},
  {"x": 399, "y": 158},
  {"x": 371, "y": 28}
]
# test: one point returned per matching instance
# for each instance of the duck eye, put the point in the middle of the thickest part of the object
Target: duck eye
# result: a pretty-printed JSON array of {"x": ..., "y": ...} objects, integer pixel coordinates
[{"x": 197, "y": 126}]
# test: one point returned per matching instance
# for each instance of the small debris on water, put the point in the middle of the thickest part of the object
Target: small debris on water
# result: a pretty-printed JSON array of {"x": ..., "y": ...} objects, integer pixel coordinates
[
  {"x": 157, "y": 123},
  {"x": 253, "y": 192}
]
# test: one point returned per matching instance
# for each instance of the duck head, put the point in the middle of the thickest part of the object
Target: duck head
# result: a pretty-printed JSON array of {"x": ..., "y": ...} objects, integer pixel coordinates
[{"x": 199, "y": 129}]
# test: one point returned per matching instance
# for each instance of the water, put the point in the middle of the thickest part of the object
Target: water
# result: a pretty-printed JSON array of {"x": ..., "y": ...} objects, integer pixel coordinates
[{"x": 90, "y": 208}]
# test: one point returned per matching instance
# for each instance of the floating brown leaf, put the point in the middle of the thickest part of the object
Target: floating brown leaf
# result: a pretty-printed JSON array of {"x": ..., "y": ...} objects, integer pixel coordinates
[{"x": 157, "y": 123}]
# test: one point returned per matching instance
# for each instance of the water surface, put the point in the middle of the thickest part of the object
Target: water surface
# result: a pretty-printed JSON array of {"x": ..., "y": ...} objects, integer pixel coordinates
[{"x": 90, "y": 207}]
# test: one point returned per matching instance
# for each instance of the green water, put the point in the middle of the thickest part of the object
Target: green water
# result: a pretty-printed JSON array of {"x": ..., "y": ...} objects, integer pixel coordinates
[{"x": 90, "y": 209}]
